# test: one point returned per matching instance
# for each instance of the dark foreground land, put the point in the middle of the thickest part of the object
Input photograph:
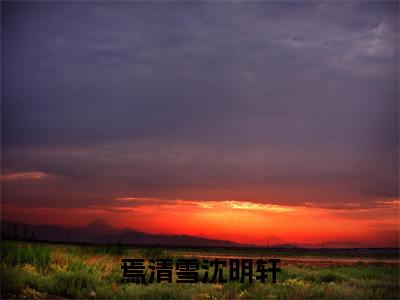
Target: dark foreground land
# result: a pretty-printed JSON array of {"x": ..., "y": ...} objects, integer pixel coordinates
[{"x": 43, "y": 270}]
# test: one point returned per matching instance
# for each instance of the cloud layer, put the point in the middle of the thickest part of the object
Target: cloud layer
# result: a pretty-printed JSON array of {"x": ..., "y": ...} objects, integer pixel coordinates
[{"x": 277, "y": 103}]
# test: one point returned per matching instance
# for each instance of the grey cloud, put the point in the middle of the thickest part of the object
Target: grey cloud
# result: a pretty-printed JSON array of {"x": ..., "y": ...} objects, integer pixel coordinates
[{"x": 314, "y": 81}]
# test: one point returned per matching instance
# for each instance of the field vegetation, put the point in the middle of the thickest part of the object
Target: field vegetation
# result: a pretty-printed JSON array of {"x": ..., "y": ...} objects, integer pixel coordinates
[{"x": 40, "y": 270}]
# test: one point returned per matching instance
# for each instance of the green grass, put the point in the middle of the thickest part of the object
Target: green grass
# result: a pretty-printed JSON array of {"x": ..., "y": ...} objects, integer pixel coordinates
[
  {"x": 36, "y": 270},
  {"x": 150, "y": 253},
  {"x": 23, "y": 253}
]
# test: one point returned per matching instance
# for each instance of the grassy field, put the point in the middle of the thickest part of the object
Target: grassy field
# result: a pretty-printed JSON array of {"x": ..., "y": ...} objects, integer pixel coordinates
[{"x": 40, "y": 270}]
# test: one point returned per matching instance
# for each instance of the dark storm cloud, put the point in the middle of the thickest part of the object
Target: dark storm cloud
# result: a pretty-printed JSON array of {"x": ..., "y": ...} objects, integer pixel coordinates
[{"x": 142, "y": 99}]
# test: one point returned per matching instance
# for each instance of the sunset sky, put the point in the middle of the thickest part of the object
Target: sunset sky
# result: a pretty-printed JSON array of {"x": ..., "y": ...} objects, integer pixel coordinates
[{"x": 247, "y": 121}]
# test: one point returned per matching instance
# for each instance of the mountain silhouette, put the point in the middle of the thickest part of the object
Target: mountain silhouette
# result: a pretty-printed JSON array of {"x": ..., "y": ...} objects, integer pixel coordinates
[
  {"x": 100, "y": 231},
  {"x": 99, "y": 226}
]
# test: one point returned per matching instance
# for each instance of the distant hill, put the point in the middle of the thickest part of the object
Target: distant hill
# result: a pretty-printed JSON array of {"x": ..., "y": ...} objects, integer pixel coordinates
[
  {"x": 100, "y": 231},
  {"x": 99, "y": 226}
]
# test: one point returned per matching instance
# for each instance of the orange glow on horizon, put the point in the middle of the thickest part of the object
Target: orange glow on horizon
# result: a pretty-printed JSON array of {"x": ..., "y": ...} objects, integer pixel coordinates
[{"x": 239, "y": 221}]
